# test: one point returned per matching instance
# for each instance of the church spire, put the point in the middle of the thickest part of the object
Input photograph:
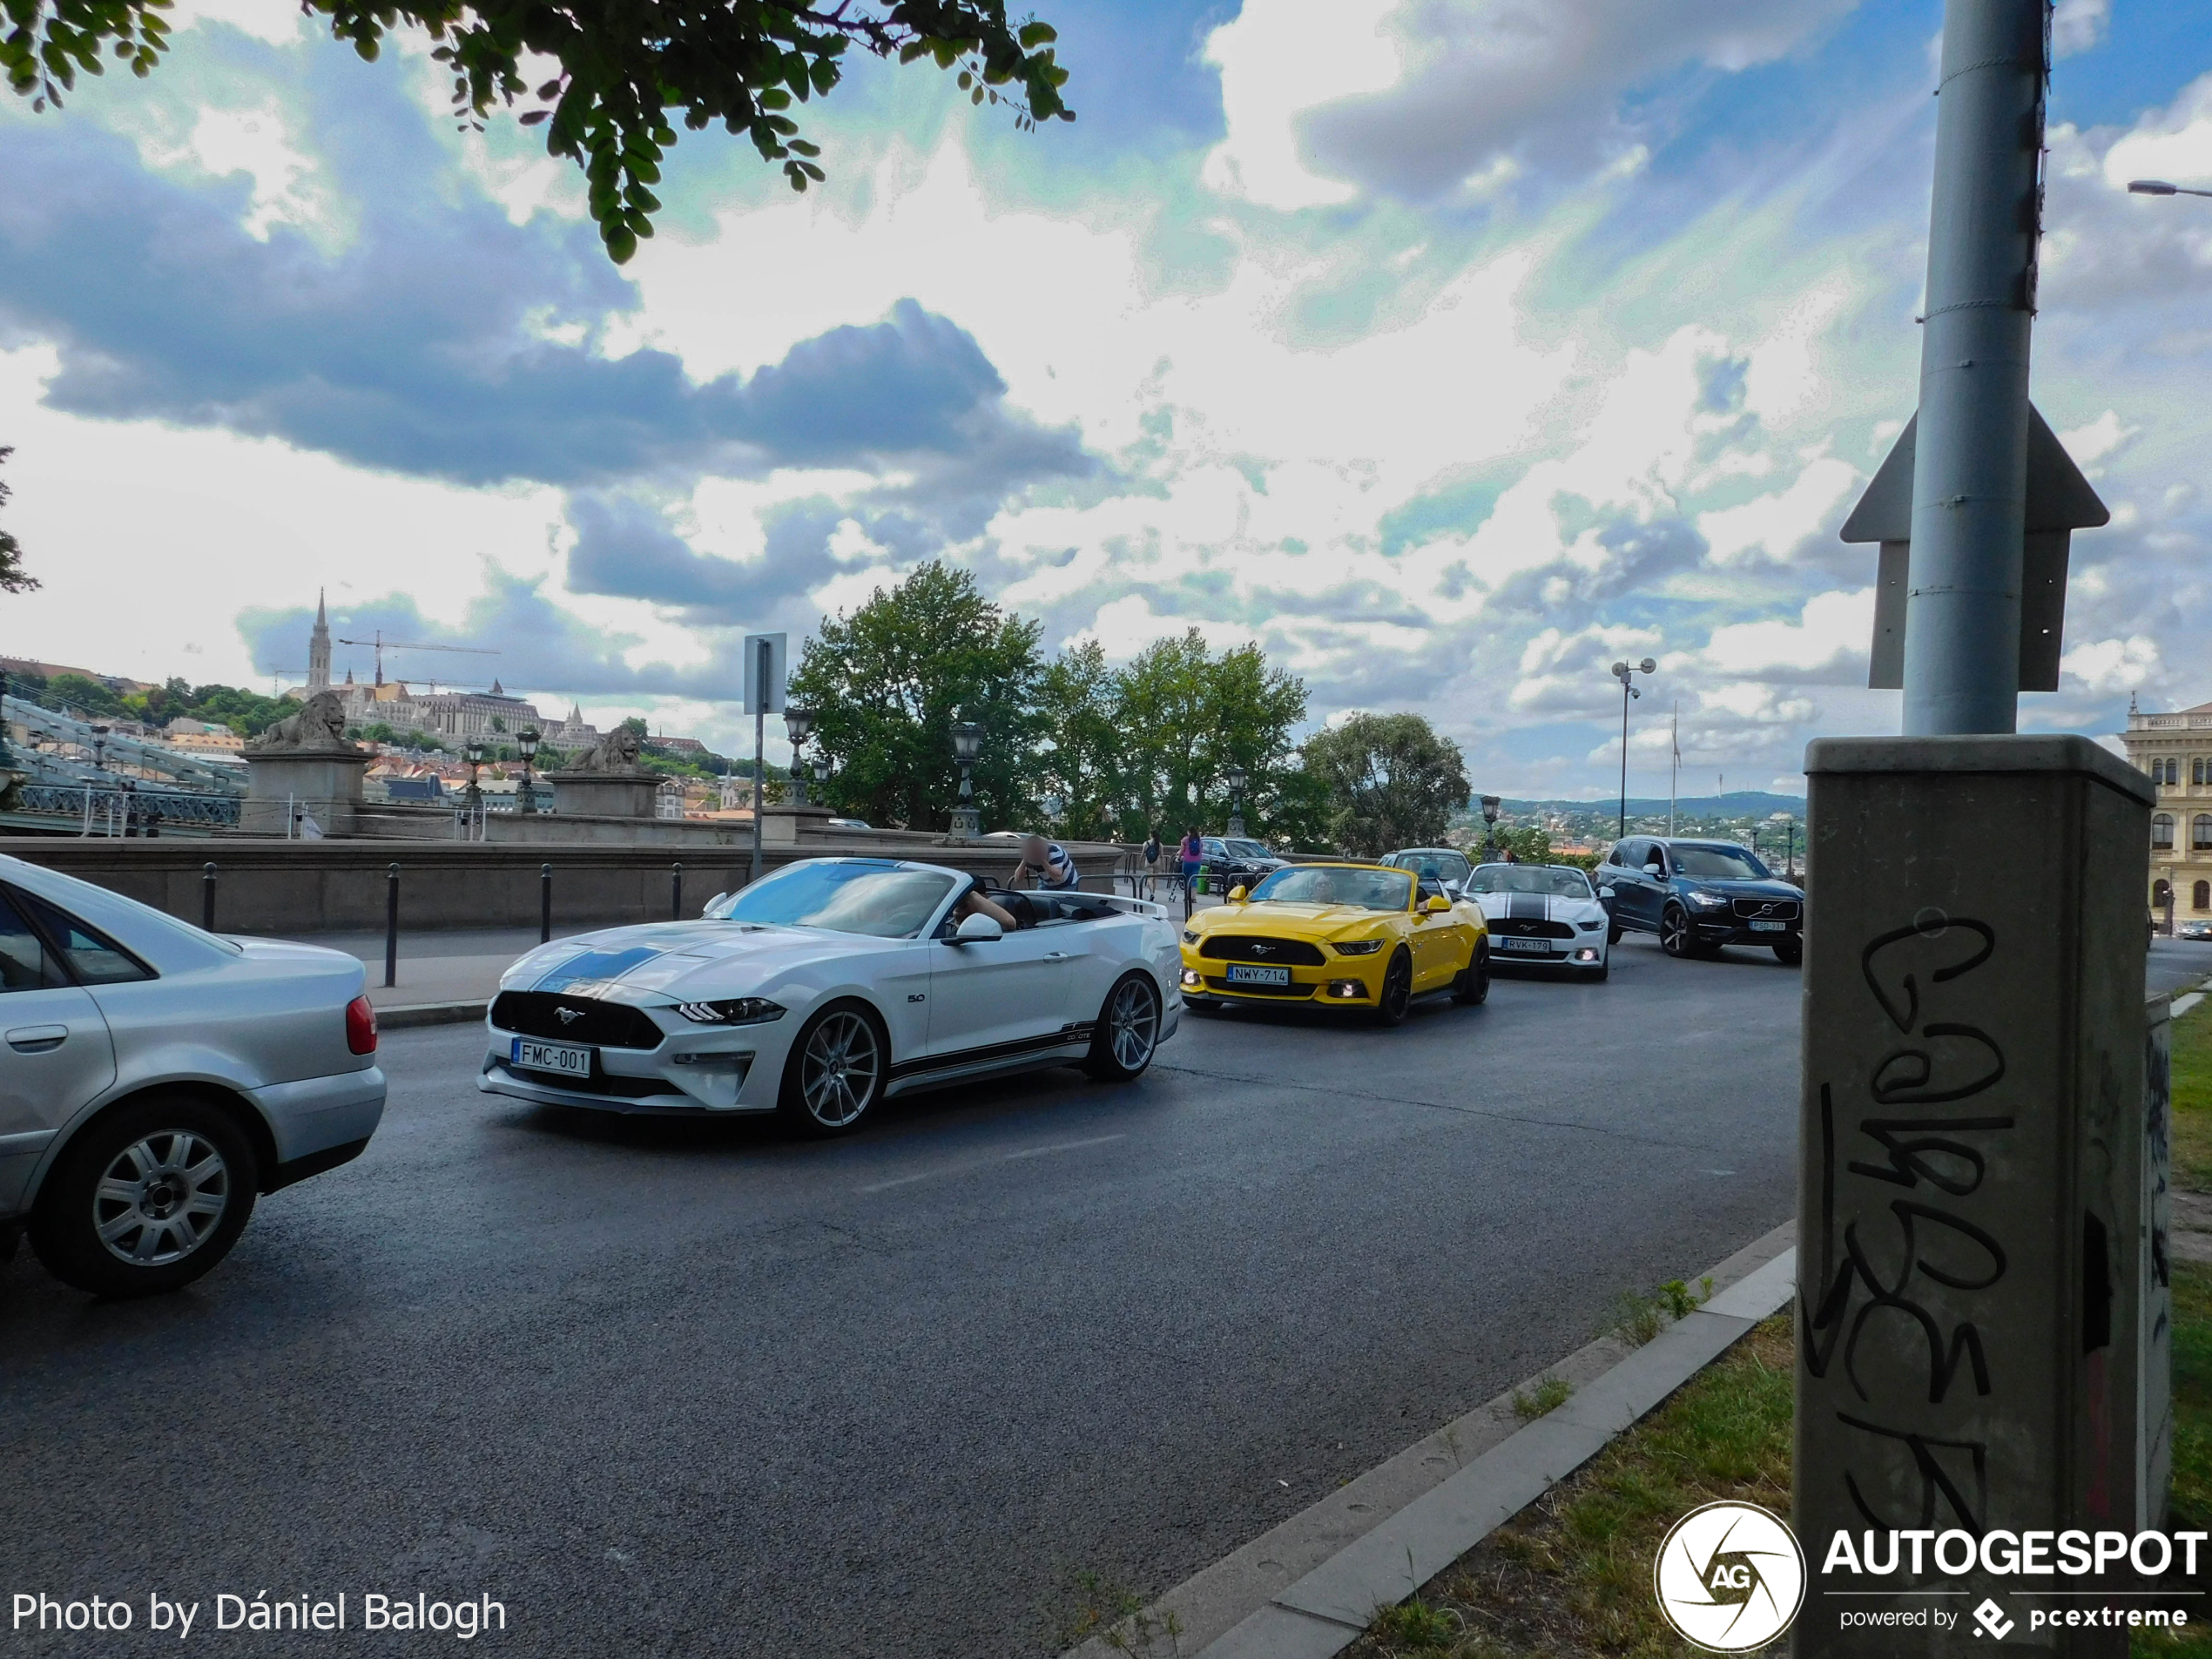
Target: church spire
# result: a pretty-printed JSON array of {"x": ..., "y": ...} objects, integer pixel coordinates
[{"x": 318, "y": 649}]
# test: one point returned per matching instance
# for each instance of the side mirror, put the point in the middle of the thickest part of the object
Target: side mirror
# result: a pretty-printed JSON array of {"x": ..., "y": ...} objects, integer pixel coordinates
[
  {"x": 1236, "y": 895},
  {"x": 1437, "y": 904},
  {"x": 978, "y": 928},
  {"x": 1655, "y": 868},
  {"x": 1606, "y": 893}
]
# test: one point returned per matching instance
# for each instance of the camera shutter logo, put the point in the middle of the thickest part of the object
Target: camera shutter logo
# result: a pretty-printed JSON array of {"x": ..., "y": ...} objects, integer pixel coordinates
[{"x": 1729, "y": 1577}]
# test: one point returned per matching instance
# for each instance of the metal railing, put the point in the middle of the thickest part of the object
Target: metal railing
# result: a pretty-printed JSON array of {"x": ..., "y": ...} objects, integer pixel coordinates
[{"x": 111, "y": 811}]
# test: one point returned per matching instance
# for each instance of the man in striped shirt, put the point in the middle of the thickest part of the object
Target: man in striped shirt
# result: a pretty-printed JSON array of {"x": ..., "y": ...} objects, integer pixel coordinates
[{"x": 1046, "y": 864}]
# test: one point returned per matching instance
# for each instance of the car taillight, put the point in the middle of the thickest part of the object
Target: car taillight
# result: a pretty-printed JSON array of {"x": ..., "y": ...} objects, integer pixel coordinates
[{"x": 360, "y": 1026}]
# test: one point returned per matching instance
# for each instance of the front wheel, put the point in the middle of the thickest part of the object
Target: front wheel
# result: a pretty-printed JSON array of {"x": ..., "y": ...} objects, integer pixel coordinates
[
  {"x": 147, "y": 1199},
  {"x": 1127, "y": 1033},
  {"x": 1677, "y": 934},
  {"x": 1790, "y": 951},
  {"x": 836, "y": 1070},
  {"x": 1613, "y": 932},
  {"x": 1599, "y": 975},
  {"x": 1472, "y": 988},
  {"x": 1397, "y": 990}
]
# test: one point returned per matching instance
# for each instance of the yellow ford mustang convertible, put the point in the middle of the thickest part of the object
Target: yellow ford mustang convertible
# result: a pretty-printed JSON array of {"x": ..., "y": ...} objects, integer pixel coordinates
[{"x": 1336, "y": 936}]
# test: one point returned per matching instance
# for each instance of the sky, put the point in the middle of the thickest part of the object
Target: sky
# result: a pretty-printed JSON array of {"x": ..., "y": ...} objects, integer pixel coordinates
[{"x": 1451, "y": 354}]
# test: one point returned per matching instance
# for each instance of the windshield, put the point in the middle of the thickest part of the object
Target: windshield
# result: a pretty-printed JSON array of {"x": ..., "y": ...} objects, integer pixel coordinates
[
  {"x": 1721, "y": 863},
  {"x": 1555, "y": 879},
  {"x": 883, "y": 902},
  {"x": 1249, "y": 849},
  {"x": 1437, "y": 864},
  {"x": 1334, "y": 884}
]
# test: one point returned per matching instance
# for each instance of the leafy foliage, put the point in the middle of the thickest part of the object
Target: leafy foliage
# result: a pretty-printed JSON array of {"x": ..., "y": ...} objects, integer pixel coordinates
[
  {"x": 889, "y": 683},
  {"x": 1186, "y": 716},
  {"x": 13, "y": 577},
  {"x": 614, "y": 74},
  {"x": 1391, "y": 781}
]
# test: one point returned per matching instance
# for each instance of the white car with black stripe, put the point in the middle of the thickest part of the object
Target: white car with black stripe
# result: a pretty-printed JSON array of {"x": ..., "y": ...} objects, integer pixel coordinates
[
  {"x": 823, "y": 989},
  {"x": 1544, "y": 914}
]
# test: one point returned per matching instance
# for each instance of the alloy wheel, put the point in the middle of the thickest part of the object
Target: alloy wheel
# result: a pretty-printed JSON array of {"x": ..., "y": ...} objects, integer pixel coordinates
[
  {"x": 1133, "y": 1025},
  {"x": 1398, "y": 988},
  {"x": 159, "y": 1199},
  {"x": 1675, "y": 936},
  {"x": 839, "y": 1074}
]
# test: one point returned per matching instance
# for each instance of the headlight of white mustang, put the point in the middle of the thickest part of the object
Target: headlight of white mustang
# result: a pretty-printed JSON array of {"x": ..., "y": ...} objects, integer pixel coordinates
[{"x": 743, "y": 1010}]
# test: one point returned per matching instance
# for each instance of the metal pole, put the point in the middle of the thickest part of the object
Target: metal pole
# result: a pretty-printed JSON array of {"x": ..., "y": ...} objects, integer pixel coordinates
[
  {"x": 391, "y": 925},
  {"x": 759, "y": 750},
  {"x": 1970, "y": 468},
  {"x": 544, "y": 903},
  {"x": 207, "y": 897},
  {"x": 676, "y": 893},
  {"x": 1624, "y": 757}
]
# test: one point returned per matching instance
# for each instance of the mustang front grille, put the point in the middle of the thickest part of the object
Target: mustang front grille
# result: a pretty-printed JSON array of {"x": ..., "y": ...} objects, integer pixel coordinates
[
  {"x": 1507, "y": 927},
  {"x": 1242, "y": 947},
  {"x": 1241, "y": 989},
  {"x": 605, "y": 1025}
]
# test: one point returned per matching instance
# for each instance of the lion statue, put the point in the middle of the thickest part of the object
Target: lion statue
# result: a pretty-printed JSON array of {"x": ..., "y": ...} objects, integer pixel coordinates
[
  {"x": 617, "y": 752},
  {"x": 320, "y": 724}
]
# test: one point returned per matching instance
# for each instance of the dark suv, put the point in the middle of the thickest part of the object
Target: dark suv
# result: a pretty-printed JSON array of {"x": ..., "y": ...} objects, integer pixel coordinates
[{"x": 1698, "y": 896}]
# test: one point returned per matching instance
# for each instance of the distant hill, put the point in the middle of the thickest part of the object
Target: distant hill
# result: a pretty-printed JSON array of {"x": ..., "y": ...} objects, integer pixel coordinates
[{"x": 1737, "y": 803}]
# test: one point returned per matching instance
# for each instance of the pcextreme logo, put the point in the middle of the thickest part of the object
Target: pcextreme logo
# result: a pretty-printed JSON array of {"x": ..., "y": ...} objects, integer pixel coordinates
[{"x": 1729, "y": 1577}]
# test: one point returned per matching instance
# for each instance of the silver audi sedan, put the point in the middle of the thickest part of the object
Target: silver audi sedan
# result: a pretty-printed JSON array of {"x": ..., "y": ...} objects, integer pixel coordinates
[{"x": 155, "y": 1080}]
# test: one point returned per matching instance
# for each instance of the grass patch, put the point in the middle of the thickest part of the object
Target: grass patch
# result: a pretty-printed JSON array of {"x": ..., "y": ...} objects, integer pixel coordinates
[
  {"x": 1084, "y": 1604},
  {"x": 2193, "y": 1101},
  {"x": 1548, "y": 1396},
  {"x": 1571, "y": 1574}
]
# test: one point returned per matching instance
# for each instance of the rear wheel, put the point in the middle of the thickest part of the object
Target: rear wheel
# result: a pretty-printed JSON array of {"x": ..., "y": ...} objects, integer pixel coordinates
[
  {"x": 1128, "y": 1034},
  {"x": 147, "y": 1199},
  {"x": 836, "y": 1070},
  {"x": 1789, "y": 951},
  {"x": 1472, "y": 988},
  {"x": 1397, "y": 990}
]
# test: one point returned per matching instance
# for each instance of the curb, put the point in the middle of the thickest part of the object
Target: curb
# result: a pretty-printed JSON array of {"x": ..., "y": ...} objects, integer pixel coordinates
[
  {"x": 1308, "y": 1588},
  {"x": 414, "y": 1013}
]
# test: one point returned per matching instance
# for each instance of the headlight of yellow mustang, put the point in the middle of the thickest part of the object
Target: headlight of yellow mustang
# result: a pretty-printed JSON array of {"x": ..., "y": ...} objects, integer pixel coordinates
[{"x": 1357, "y": 946}]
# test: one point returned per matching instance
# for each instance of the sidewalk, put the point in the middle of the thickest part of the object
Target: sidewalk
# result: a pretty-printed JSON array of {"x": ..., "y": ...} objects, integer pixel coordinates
[{"x": 448, "y": 974}]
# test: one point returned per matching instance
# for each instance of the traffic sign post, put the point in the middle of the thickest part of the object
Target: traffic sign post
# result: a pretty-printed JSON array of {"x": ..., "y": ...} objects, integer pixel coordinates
[{"x": 764, "y": 669}]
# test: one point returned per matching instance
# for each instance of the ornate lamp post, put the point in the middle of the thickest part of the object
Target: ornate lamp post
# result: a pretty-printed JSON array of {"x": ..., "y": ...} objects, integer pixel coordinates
[
  {"x": 474, "y": 754},
  {"x": 968, "y": 743},
  {"x": 798, "y": 723},
  {"x": 1490, "y": 803},
  {"x": 1236, "y": 780},
  {"x": 526, "y": 740},
  {"x": 99, "y": 748},
  {"x": 1625, "y": 672}
]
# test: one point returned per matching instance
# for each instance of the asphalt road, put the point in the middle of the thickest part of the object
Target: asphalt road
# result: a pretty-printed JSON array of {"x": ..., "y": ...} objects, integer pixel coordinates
[{"x": 696, "y": 1389}]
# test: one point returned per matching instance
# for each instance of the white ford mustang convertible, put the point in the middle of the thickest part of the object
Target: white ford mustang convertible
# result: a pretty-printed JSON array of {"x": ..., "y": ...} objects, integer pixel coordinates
[
  {"x": 822, "y": 989},
  {"x": 1544, "y": 913}
]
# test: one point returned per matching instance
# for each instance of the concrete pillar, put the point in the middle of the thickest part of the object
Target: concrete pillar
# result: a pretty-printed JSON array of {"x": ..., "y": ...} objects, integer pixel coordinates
[
  {"x": 324, "y": 784},
  {"x": 1972, "y": 1203}
]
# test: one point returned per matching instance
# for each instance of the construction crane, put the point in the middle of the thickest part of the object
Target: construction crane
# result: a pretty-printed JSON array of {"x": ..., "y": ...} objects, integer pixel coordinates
[{"x": 382, "y": 645}]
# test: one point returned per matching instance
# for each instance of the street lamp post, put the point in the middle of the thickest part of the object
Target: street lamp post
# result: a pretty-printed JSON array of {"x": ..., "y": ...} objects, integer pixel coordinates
[
  {"x": 968, "y": 743},
  {"x": 1626, "y": 673},
  {"x": 99, "y": 748},
  {"x": 798, "y": 723},
  {"x": 2159, "y": 188},
  {"x": 1236, "y": 780},
  {"x": 473, "y": 801},
  {"x": 526, "y": 740},
  {"x": 1490, "y": 803}
]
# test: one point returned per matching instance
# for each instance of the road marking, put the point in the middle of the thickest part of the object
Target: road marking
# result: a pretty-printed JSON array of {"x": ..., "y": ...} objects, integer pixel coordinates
[
  {"x": 1064, "y": 1146},
  {"x": 1004, "y": 1157}
]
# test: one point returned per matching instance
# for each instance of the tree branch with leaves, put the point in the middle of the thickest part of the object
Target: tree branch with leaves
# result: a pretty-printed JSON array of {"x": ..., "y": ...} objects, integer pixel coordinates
[
  {"x": 611, "y": 76},
  {"x": 13, "y": 577}
]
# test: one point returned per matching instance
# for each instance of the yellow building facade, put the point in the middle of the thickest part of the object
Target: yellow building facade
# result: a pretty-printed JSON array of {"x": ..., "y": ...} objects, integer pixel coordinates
[{"x": 2175, "y": 751}]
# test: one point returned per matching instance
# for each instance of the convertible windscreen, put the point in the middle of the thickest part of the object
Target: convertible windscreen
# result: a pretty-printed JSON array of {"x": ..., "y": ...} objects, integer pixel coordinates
[
  {"x": 1719, "y": 863},
  {"x": 1322, "y": 884},
  {"x": 843, "y": 898},
  {"x": 1530, "y": 877}
]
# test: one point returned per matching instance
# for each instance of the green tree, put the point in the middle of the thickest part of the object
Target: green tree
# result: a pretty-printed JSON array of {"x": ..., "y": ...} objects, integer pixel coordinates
[
  {"x": 1185, "y": 715},
  {"x": 75, "y": 692},
  {"x": 616, "y": 74},
  {"x": 887, "y": 683},
  {"x": 1391, "y": 781},
  {"x": 1079, "y": 706},
  {"x": 13, "y": 577}
]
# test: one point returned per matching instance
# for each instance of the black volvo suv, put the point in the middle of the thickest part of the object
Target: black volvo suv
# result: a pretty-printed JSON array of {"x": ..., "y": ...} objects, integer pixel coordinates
[{"x": 1698, "y": 896}]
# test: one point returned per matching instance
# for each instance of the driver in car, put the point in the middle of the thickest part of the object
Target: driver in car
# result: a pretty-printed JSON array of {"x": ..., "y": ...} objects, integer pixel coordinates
[{"x": 973, "y": 903}]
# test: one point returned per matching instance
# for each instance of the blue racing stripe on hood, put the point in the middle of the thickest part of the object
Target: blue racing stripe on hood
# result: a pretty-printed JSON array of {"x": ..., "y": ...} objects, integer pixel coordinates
[{"x": 591, "y": 966}]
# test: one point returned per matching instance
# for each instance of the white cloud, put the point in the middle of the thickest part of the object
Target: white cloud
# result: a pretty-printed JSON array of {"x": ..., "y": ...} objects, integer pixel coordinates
[{"x": 2079, "y": 26}]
